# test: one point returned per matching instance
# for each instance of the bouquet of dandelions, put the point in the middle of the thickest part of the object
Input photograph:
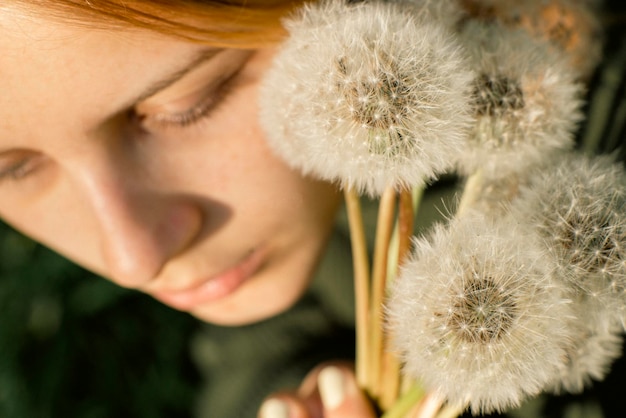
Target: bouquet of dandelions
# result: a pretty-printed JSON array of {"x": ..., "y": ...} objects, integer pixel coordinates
[{"x": 523, "y": 289}]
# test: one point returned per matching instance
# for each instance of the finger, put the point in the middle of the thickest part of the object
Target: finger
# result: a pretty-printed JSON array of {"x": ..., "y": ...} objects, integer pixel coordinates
[
  {"x": 340, "y": 396},
  {"x": 308, "y": 387},
  {"x": 284, "y": 405},
  {"x": 329, "y": 391}
]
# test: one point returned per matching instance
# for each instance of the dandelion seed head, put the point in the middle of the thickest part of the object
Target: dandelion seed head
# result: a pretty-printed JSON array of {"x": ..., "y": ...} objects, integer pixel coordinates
[
  {"x": 449, "y": 12},
  {"x": 496, "y": 95},
  {"x": 483, "y": 312},
  {"x": 374, "y": 85},
  {"x": 578, "y": 207},
  {"x": 526, "y": 100},
  {"x": 569, "y": 26},
  {"x": 596, "y": 345},
  {"x": 495, "y": 194},
  {"x": 476, "y": 315}
]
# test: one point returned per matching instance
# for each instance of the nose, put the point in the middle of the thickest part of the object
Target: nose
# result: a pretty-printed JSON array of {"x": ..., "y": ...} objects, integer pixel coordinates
[{"x": 139, "y": 229}]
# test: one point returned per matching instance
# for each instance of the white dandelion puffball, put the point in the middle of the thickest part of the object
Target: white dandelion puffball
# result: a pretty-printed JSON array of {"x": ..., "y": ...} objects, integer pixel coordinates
[
  {"x": 449, "y": 12},
  {"x": 494, "y": 195},
  {"x": 579, "y": 209},
  {"x": 572, "y": 26},
  {"x": 476, "y": 316},
  {"x": 526, "y": 100},
  {"x": 368, "y": 95},
  {"x": 590, "y": 356}
]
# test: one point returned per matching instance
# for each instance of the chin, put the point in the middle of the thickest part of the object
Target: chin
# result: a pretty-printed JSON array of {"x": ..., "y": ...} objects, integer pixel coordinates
[{"x": 236, "y": 316}]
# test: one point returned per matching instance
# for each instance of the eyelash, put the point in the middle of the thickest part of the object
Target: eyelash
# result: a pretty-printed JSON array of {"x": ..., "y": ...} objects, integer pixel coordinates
[
  {"x": 202, "y": 110},
  {"x": 21, "y": 169},
  {"x": 16, "y": 171}
]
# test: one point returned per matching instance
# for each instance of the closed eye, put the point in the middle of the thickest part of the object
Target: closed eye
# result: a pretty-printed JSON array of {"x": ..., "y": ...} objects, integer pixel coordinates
[
  {"x": 19, "y": 164},
  {"x": 212, "y": 88},
  {"x": 203, "y": 109}
]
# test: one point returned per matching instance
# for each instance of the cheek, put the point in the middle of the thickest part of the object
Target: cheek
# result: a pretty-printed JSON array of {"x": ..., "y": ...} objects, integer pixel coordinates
[
  {"x": 62, "y": 222},
  {"x": 273, "y": 187},
  {"x": 245, "y": 161}
]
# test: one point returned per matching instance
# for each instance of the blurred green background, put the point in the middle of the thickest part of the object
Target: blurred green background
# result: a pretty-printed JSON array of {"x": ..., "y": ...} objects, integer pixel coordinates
[{"x": 74, "y": 345}]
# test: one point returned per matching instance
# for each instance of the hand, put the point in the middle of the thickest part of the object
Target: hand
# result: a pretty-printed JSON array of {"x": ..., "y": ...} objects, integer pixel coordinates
[{"x": 329, "y": 391}]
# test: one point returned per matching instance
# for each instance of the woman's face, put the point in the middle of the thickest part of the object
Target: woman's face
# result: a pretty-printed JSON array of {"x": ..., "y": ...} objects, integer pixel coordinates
[{"x": 139, "y": 156}]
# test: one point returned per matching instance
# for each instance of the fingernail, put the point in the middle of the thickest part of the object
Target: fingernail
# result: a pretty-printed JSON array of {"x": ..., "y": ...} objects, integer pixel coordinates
[
  {"x": 331, "y": 383},
  {"x": 274, "y": 408}
]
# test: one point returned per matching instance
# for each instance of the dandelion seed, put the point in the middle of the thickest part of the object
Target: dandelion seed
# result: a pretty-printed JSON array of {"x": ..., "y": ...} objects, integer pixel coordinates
[
  {"x": 525, "y": 98},
  {"x": 449, "y": 12},
  {"x": 363, "y": 95},
  {"x": 476, "y": 315},
  {"x": 571, "y": 26},
  {"x": 578, "y": 207},
  {"x": 494, "y": 196},
  {"x": 590, "y": 356}
]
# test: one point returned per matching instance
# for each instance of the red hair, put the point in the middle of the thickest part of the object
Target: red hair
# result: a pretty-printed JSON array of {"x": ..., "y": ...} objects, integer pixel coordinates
[{"x": 222, "y": 23}]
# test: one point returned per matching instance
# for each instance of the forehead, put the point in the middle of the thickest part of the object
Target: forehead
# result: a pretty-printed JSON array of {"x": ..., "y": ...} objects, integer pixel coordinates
[{"x": 52, "y": 69}]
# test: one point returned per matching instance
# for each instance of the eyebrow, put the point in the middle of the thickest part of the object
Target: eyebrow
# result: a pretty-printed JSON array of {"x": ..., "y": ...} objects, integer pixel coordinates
[{"x": 196, "y": 60}]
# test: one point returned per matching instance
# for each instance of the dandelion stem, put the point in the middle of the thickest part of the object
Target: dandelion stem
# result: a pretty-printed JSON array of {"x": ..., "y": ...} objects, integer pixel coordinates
[
  {"x": 384, "y": 227},
  {"x": 470, "y": 191},
  {"x": 392, "y": 383},
  {"x": 406, "y": 221},
  {"x": 428, "y": 407},
  {"x": 405, "y": 403},
  {"x": 449, "y": 411},
  {"x": 392, "y": 262},
  {"x": 389, "y": 381},
  {"x": 361, "y": 283}
]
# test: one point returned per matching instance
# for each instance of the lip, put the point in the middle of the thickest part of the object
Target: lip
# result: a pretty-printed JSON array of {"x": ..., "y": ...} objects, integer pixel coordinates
[{"x": 216, "y": 287}]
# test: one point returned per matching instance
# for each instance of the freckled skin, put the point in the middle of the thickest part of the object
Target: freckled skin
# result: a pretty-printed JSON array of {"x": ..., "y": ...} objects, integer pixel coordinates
[{"x": 160, "y": 209}]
